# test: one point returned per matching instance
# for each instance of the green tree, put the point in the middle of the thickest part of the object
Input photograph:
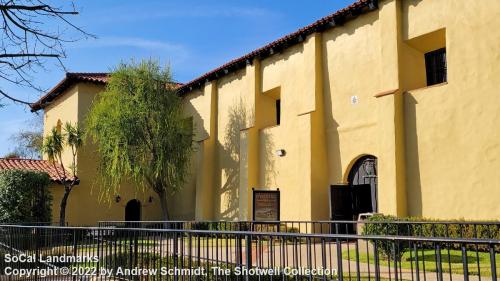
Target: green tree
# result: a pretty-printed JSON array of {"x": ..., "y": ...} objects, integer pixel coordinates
[
  {"x": 12, "y": 155},
  {"x": 140, "y": 132},
  {"x": 24, "y": 196},
  {"x": 29, "y": 141},
  {"x": 53, "y": 146}
]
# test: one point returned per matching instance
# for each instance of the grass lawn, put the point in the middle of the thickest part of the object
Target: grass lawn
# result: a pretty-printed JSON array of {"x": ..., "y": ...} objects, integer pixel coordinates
[
  {"x": 366, "y": 278},
  {"x": 449, "y": 262}
]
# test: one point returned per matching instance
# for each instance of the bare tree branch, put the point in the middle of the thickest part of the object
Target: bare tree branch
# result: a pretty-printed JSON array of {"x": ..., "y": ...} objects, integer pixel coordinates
[
  {"x": 14, "y": 99},
  {"x": 29, "y": 55},
  {"x": 31, "y": 37},
  {"x": 22, "y": 7}
]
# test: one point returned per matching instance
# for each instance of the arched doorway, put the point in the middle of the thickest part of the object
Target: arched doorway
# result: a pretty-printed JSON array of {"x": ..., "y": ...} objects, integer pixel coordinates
[
  {"x": 363, "y": 182},
  {"x": 133, "y": 210}
]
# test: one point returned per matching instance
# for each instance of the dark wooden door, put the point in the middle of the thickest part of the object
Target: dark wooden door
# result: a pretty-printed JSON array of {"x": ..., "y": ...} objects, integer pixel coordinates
[
  {"x": 341, "y": 209},
  {"x": 340, "y": 202},
  {"x": 133, "y": 210}
]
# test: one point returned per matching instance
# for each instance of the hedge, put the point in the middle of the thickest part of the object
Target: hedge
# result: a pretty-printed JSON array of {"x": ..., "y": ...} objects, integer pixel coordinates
[
  {"x": 431, "y": 228},
  {"x": 385, "y": 225},
  {"x": 24, "y": 197}
]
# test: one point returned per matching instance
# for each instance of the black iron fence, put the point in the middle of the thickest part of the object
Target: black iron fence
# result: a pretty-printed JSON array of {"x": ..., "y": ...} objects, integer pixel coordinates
[
  {"x": 113, "y": 253},
  {"x": 450, "y": 229}
]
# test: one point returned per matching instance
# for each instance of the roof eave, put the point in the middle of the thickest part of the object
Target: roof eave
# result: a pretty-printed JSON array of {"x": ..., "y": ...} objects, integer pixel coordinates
[
  {"x": 58, "y": 89},
  {"x": 331, "y": 21}
]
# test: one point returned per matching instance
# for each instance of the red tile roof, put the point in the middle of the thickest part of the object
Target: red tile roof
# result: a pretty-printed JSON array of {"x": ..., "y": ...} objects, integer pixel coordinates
[
  {"x": 33, "y": 165},
  {"x": 68, "y": 81},
  {"x": 338, "y": 18},
  {"x": 333, "y": 20}
]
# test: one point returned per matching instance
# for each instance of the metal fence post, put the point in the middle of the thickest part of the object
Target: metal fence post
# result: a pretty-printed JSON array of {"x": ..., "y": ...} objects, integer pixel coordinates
[
  {"x": 239, "y": 250},
  {"x": 377, "y": 263},
  {"x": 339, "y": 260},
  {"x": 417, "y": 267},
  {"x": 248, "y": 249},
  {"x": 75, "y": 245},
  {"x": 323, "y": 256},
  {"x": 465, "y": 263},
  {"x": 493, "y": 263},
  {"x": 395, "y": 252},
  {"x": 176, "y": 253},
  {"x": 99, "y": 248},
  {"x": 37, "y": 252},
  {"x": 438, "y": 263}
]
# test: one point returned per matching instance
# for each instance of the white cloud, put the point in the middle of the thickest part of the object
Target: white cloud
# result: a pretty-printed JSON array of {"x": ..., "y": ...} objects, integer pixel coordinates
[{"x": 133, "y": 42}]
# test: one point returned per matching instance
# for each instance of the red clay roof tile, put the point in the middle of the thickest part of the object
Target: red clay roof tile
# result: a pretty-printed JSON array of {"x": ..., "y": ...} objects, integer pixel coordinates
[
  {"x": 68, "y": 81},
  {"x": 330, "y": 21},
  {"x": 33, "y": 165},
  {"x": 333, "y": 20}
]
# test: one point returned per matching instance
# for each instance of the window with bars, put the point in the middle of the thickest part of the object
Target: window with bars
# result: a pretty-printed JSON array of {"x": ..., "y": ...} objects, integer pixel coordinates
[{"x": 435, "y": 66}]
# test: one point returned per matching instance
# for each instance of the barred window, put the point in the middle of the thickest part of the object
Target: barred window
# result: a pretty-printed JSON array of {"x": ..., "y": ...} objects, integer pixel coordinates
[{"x": 435, "y": 66}]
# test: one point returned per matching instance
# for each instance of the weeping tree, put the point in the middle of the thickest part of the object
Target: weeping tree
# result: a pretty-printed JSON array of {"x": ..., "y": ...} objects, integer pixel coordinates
[
  {"x": 53, "y": 147},
  {"x": 140, "y": 132}
]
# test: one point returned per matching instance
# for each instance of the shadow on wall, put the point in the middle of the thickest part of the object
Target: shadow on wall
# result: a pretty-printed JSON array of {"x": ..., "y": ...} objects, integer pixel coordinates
[
  {"x": 332, "y": 133},
  {"x": 413, "y": 184},
  {"x": 182, "y": 203},
  {"x": 405, "y": 25},
  {"x": 229, "y": 153},
  {"x": 268, "y": 173},
  {"x": 335, "y": 90}
]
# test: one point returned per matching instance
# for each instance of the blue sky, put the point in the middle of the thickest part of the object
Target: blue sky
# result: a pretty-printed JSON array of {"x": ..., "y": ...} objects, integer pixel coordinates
[{"x": 192, "y": 36}]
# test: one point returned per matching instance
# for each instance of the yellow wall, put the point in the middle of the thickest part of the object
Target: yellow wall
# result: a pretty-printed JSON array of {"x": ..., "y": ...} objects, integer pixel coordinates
[
  {"x": 85, "y": 204},
  {"x": 431, "y": 142},
  {"x": 437, "y": 147},
  {"x": 453, "y": 146},
  {"x": 64, "y": 109},
  {"x": 233, "y": 117}
]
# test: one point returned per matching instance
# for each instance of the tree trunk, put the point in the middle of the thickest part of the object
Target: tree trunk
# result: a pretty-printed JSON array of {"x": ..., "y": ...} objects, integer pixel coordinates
[
  {"x": 163, "y": 204},
  {"x": 62, "y": 211}
]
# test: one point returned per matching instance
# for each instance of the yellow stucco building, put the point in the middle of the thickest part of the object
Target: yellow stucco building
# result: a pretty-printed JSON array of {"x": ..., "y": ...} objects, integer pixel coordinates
[{"x": 390, "y": 105}]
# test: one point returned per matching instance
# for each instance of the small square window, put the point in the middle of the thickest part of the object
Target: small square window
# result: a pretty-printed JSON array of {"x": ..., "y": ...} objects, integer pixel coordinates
[
  {"x": 270, "y": 104},
  {"x": 435, "y": 67}
]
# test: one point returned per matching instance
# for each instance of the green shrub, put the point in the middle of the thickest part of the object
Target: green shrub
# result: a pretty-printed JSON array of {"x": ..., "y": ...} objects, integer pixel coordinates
[
  {"x": 431, "y": 228},
  {"x": 386, "y": 226},
  {"x": 24, "y": 197},
  {"x": 392, "y": 249}
]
